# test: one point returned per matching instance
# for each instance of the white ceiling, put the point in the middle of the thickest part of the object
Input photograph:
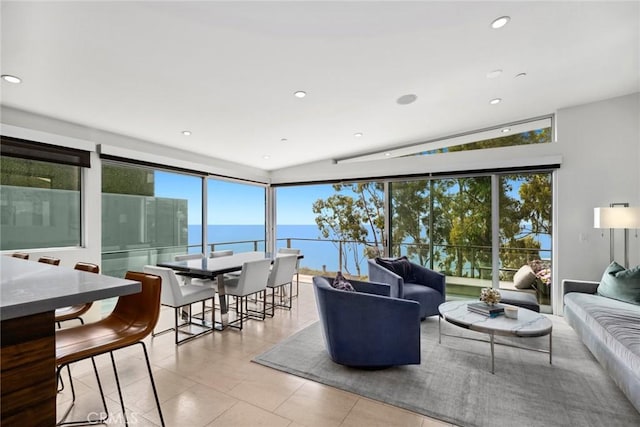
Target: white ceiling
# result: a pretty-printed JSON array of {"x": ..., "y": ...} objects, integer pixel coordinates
[{"x": 227, "y": 71}]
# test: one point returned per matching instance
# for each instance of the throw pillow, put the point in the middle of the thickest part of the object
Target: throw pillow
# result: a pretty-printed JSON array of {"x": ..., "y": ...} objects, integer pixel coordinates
[
  {"x": 400, "y": 266},
  {"x": 621, "y": 284},
  {"x": 524, "y": 278},
  {"x": 341, "y": 283}
]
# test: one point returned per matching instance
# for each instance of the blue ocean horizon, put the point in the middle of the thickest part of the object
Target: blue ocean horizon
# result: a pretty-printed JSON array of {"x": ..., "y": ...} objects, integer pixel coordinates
[{"x": 318, "y": 253}]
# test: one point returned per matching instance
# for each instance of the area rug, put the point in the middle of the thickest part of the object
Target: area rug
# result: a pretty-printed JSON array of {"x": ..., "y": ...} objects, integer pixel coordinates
[{"x": 454, "y": 383}]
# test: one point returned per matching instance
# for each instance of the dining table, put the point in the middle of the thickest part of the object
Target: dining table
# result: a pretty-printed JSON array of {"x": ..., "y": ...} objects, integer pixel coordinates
[
  {"x": 30, "y": 292},
  {"x": 216, "y": 268}
]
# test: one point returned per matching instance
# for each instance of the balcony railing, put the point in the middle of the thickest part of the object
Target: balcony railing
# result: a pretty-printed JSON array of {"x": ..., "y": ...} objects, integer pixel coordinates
[{"x": 467, "y": 267}]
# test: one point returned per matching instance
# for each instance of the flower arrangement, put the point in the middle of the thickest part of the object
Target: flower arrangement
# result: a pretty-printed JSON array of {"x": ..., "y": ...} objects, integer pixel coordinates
[
  {"x": 542, "y": 270},
  {"x": 490, "y": 296},
  {"x": 544, "y": 276}
]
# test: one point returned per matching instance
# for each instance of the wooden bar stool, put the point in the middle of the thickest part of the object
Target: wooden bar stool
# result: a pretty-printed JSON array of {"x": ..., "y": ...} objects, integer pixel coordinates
[
  {"x": 49, "y": 260},
  {"x": 20, "y": 255},
  {"x": 132, "y": 319},
  {"x": 75, "y": 311}
]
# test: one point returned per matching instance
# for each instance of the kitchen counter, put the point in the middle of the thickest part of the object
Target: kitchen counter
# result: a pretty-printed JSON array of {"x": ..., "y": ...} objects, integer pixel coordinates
[{"x": 30, "y": 292}]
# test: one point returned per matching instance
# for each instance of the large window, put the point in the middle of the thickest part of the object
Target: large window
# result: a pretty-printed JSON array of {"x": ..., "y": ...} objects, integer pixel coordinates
[
  {"x": 236, "y": 216},
  {"x": 148, "y": 215},
  {"x": 446, "y": 224},
  {"x": 526, "y": 230},
  {"x": 337, "y": 226},
  {"x": 40, "y": 195}
]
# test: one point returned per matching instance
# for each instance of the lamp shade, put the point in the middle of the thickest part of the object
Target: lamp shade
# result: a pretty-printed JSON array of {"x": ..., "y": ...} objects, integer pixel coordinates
[{"x": 616, "y": 217}]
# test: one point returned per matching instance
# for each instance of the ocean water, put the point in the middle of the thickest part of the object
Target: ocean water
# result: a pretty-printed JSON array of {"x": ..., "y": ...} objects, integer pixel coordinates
[{"x": 317, "y": 252}]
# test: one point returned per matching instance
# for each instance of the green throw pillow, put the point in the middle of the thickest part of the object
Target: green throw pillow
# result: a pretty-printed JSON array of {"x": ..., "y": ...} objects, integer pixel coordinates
[{"x": 620, "y": 283}]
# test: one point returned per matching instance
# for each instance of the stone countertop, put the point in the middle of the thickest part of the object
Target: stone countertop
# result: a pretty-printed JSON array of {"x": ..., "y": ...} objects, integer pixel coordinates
[{"x": 30, "y": 287}]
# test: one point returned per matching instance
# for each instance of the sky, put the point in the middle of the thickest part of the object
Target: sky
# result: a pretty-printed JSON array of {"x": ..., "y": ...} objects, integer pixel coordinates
[{"x": 233, "y": 203}]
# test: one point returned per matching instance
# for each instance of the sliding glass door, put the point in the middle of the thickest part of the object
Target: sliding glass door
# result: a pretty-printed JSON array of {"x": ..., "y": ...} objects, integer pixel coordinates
[
  {"x": 446, "y": 224},
  {"x": 525, "y": 233}
]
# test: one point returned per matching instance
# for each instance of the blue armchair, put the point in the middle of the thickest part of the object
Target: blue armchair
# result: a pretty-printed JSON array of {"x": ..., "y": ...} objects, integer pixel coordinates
[
  {"x": 367, "y": 328},
  {"x": 411, "y": 281}
]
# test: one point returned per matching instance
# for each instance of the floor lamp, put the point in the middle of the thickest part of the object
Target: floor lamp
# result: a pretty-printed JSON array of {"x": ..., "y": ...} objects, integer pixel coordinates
[{"x": 616, "y": 216}]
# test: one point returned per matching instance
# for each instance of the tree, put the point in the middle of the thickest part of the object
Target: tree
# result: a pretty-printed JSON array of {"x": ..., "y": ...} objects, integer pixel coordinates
[
  {"x": 353, "y": 219},
  {"x": 410, "y": 207},
  {"x": 118, "y": 179},
  {"x": 467, "y": 207}
]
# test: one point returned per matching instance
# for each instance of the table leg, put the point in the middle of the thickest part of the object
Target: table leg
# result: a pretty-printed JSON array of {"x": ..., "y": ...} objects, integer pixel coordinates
[
  {"x": 550, "y": 346},
  {"x": 222, "y": 299},
  {"x": 439, "y": 331},
  {"x": 492, "y": 355}
]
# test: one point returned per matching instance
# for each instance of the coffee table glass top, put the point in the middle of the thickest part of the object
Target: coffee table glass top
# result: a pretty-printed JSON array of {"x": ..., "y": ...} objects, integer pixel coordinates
[{"x": 528, "y": 324}]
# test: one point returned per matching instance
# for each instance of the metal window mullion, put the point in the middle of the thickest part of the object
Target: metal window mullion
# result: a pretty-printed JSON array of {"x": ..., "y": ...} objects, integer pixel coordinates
[{"x": 495, "y": 231}]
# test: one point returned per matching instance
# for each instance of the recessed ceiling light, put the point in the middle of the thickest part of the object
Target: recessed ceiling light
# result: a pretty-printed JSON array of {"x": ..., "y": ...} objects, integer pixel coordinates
[
  {"x": 495, "y": 101},
  {"x": 505, "y": 130},
  {"x": 186, "y": 132},
  {"x": 494, "y": 74},
  {"x": 266, "y": 157},
  {"x": 11, "y": 79},
  {"x": 358, "y": 134},
  {"x": 300, "y": 94},
  {"x": 500, "y": 22},
  {"x": 520, "y": 75},
  {"x": 387, "y": 154},
  {"x": 283, "y": 139},
  {"x": 407, "y": 99}
]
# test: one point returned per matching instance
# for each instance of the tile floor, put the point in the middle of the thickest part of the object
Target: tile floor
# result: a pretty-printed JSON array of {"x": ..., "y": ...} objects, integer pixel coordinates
[{"x": 211, "y": 381}]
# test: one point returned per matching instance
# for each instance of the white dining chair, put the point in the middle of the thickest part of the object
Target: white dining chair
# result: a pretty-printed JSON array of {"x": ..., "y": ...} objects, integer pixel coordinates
[
  {"x": 217, "y": 254},
  {"x": 251, "y": 281},
  {"x": 295, "y": 252},
  {"x": 188, "y": 280},
  {"x": 187, "y": 257},
  {"x": 281, "y": 275},
  {"x": 180, "y": 297}
]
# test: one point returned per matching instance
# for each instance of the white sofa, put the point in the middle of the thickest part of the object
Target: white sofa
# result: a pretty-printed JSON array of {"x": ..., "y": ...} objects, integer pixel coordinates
[{"x": 611, "y": 331}]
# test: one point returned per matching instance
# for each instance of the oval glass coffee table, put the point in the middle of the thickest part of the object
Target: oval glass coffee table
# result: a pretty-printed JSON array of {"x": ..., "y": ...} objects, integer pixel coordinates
[{"x": 528, "y": 324}]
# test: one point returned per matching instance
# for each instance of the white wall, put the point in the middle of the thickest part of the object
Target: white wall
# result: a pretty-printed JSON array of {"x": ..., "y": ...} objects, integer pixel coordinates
[
  {"x": 598, "y": 146},
  {"x": 601, "y": 150}
]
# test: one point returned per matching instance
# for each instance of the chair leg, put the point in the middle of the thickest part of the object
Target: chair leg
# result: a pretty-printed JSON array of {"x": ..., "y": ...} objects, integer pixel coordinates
[
  {"x": 115, "y": 373},
  {"x": 101, "y": 420},
  {"x": 273, "y": 302},
  {"x": 153, "y": 383},
  {"x": 264, "y": 304}
]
